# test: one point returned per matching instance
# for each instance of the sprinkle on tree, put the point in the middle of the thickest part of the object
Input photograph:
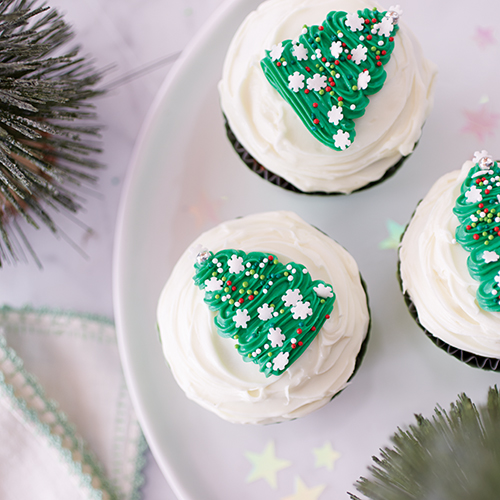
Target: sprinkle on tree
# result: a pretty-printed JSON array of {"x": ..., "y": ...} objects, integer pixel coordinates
[
  {"x": 272, "y": 310},
  {"x": 328, "y": 72},
  {"x": 478, "y": 211}
]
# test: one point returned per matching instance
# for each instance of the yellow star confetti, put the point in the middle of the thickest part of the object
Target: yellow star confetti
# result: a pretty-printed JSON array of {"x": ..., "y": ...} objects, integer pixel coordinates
[
  {"x": 395, "y": 232},
  {"x": 266, "y": 465},
  {"x": 326, "y": 456},
  {"x": 302, "y": 492}
]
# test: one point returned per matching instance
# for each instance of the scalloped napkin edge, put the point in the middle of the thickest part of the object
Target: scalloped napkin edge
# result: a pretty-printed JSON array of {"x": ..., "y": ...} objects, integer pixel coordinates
[{"x": 40, "y": 436}]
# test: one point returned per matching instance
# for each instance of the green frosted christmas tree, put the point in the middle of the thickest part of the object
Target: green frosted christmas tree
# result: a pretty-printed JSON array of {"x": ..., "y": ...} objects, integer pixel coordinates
[
  {"x": 272, "y": 310},
  {"x": 327, "y": 74},
  {"x": 478, "y": 212}
]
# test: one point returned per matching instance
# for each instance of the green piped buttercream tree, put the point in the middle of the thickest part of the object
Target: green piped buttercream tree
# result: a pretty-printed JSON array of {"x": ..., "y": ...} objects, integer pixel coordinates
[
  {"x": 327, "y": 74},
  {"x": 272, "y": 310},
  {"x": 478, "y": 211}
]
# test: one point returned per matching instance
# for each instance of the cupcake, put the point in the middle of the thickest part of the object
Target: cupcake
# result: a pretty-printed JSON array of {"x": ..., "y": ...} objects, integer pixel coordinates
[
  {"x": 264, "y": 319},
  {"x": 450, "y": 263},
  {"x": 325, "y": 96}
]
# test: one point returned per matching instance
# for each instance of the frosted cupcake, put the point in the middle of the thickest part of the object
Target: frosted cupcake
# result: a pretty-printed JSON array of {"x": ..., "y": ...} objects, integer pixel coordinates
[
  {"x": 325, "y": 96},
  {"x": 267, "y": 323},
  {"x": 450, "y": 263}
]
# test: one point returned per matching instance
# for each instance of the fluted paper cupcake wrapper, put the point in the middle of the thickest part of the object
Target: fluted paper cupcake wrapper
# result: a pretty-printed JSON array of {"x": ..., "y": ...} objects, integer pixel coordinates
[
  {"x": 470, "y": 358},
  {"x": 263, "y": 172}
]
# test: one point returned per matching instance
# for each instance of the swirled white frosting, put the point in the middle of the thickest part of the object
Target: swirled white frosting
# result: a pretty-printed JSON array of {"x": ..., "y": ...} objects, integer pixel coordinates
[
  {"x": 435, "y": 275},
  {"x": 208, "y": 367},
  {"x": 274, "y": 135}
]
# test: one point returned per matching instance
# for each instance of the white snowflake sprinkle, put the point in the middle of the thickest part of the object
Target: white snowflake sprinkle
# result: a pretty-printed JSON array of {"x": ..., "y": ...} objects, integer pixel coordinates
[
  {"x": 335, "y": 115},
  {"x": 280, "y": 361},
  {"x": 336, "y": 49},
  {"x": 292, "y": 297},
  {"x": 300, "y": 52},
  {"x": 473, "y": 195},
  {"x": 213, "y": 285},
  {"x": 478, "y": 155},
  {"x": 359, "y": 54},
  {"x": 235, "y": 264},
  {"x": 317, "y": 82},
  {"x": 354, "y": 22},
  {"x": 276, "y": 51},
  {"x": 363, "y": 80},
  {"x": 265, "y": 312},
  {"x": 490, "y": 256},
  {"x": 384, "y": 27},
  {"x": 275, "y": 337},
  {"x": 342, "y": 140},
  {"x": 296, "y": 81},
  {"x": 241, "y": 318},
  {"x": 323, "y": 291},
  {"x": 301, "y": 310}
]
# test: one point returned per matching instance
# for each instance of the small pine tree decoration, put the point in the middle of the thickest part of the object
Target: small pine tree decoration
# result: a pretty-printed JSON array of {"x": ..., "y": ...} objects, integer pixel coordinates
[
  {"x": 272, "y": 310},
  {"x": 43, "y": 89},
  {"x": 478, "y": 211},
  {"x": 327, "y": 74},
  {"x": 454, "y": 456}
]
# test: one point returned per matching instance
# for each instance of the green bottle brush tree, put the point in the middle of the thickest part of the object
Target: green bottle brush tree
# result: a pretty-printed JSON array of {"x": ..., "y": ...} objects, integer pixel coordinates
[{"x": 48, "y": 133}]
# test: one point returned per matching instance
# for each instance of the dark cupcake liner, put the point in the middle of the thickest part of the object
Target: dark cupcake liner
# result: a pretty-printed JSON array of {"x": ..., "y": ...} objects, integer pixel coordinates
[
  {"x": 470, "y": 358},
  {"x": 262, "y": 171}
]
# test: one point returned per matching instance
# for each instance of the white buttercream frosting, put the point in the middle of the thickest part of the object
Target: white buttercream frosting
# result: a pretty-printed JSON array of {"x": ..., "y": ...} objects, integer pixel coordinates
[
  {"x": 274, "y": 135},
  {"x": 434, "y": 273},
  {"x": 208, "y": 367}
]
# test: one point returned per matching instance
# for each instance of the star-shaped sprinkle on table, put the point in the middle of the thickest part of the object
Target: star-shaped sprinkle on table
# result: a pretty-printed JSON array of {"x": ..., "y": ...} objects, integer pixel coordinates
[
  {"x": 266, "y": 465},
  {"x": 395, "y": 232},
  {"x": 481, "y": 123},
  {"x": 302, "y": 492},
  {"x": 326, "y": 456}
]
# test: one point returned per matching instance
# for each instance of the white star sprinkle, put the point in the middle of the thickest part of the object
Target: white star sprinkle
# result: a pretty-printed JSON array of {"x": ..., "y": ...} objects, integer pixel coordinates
[
  {"x": 276, "y": 51},
  {"x": 292, "y": 297},
  {"x": 213, "y": 285},
  {"x": 323, "y": 291},
  {"x": 300, "y": 52},
  {"x": 363, "y": 80},
  {"x": 354, "y": 22},
  {"x": 359, "y": 54},
  {"x": 317, "y": 82},
  {"x": 335, "y": 115},
  {"x": 296, "y": 81},
  {"x": 241, "y": 318},
  {"x": 265, "y": 312},
  {"x": 275, "y": 337},
  {"x": 280, "y": 361},
  {"x": 342, "y": 140},
  {"x": 301, "y": 310}
]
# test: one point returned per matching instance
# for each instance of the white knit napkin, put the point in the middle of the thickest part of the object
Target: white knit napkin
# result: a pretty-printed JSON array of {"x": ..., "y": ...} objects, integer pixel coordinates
[{"x": 88, "y": 444}]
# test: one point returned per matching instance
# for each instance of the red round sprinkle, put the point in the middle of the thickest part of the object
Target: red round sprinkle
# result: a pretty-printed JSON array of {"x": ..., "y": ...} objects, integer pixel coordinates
[
  {"x": 374, "y": 20},
  {"x": 299, "y": 330},
  {"x": 301, "y": 343},
  {"x": 313, "y": 329},
  {"x": 379, "y": 63},
  {"x": 308, "y": 68},
  {"x": 369, "y": 37},
  {"x": 330, "y": 79},
  {"x": 486, "y": 191},
  {"x": 349, "y": 57},
  {"x": 278, "y": 64},
  {"x": 377, "y": 57},
  {"x": 294, "y": 346},
  {"x": 327, "y": 316},
  {"x": 478, "y": 181},
  {"x": 391, "y": 39},
  {"x": 315, "y": 121},
  {"x": 241, "y": 300},
  {"x": 337, "y": 62},
  {"x": 486, "y": 210},
  {"x": 320, "y": 28},
  {"x": 340, "y": 98},
  {"x": 251, "y": 297},
  {"x": 323, "y": 59},
  {"x": 496, "y": 229},
  {"x": 270, "y": 257},
  {"x": 306, "y": 91},
  {"x": 383, "y": 52},
  {"x": 480, "y": 205},
  {"x": 328, "y": 89},
  {"x": 315, "y": 104},
  {"x": 344, "y": 44},
  {"x": 233, "y": 288},
  {"x": 367, "y": 21},
  {"x": 476, "y": 236},
  {"x": 468, "y": 227},
  {"x": 229, "y": 282}
]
